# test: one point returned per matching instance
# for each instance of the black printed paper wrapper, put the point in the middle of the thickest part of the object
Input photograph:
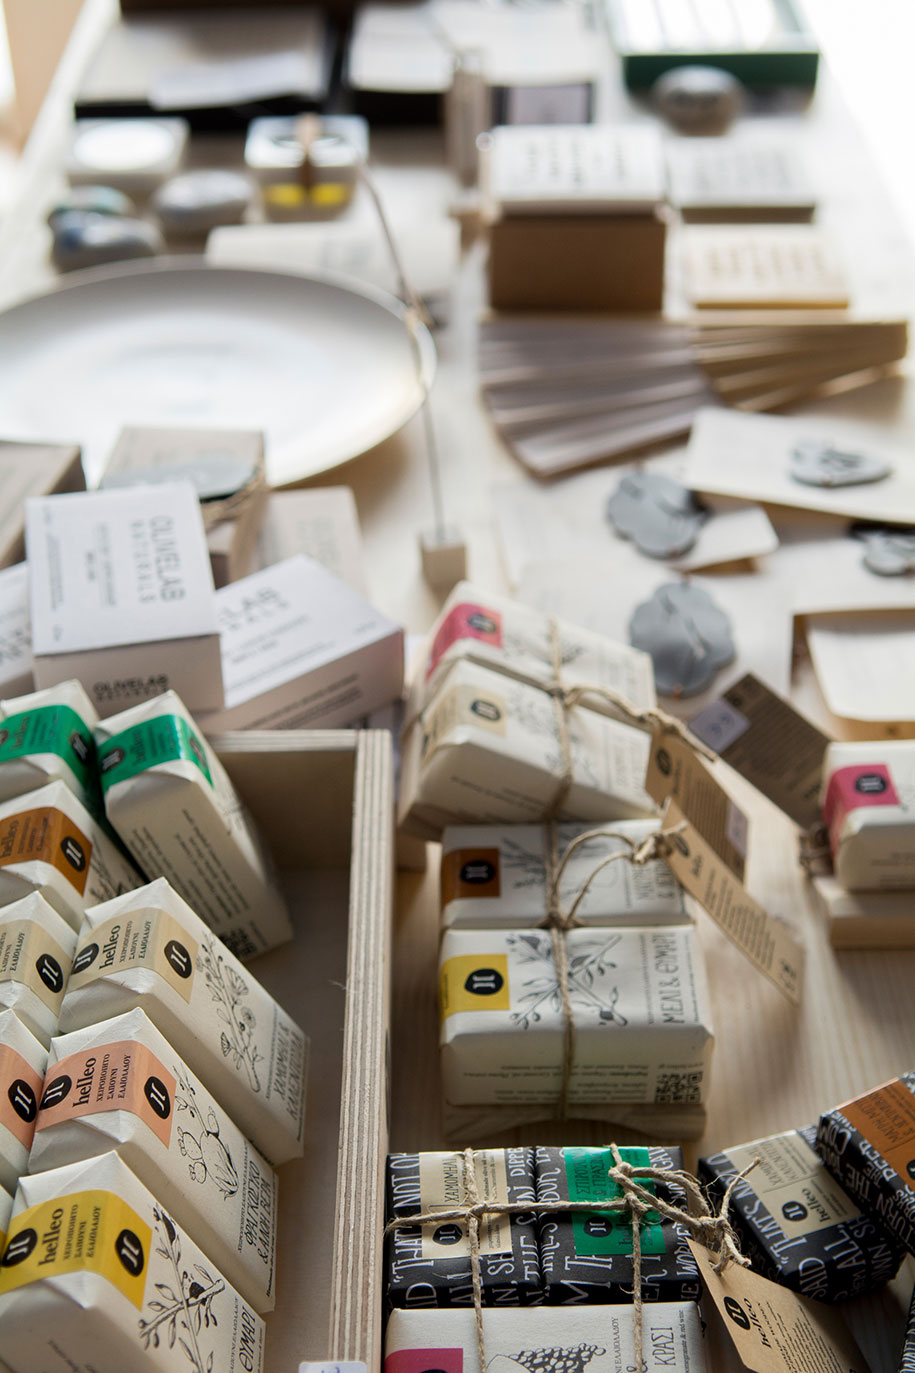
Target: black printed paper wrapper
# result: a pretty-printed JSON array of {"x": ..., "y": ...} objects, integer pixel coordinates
[
  {"x": 907, "y": 1357},
  {"x": 429, "y": 1265},
  {"x": 869, "y": 1146},
  {"x": 587, "y": 1256},
  {"x": 796, "y": 1224}
]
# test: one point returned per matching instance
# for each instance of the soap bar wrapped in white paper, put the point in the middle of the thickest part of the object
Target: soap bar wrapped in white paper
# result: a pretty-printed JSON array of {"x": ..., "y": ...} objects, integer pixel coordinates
[
  {"x": 869, "y": 807},
  {"x": 99, "y": 1275},
  {"x": 501, "y": 634},
  {"x": 495, "y": 877},
  {"x": 148, "y": 949},
  {"x": 122, "y": 1085},
  {"x": 6, "y": 1210},
  {"x": 36, "y": 953},
  {"x": 46, "y": 736},
  {"x": 580, "y": 1339},
  {"x": 49, "y": 843},
  {"x": 487, "y": 749},
  {"x": 171, "y": 801},
  {"x": 16, "y": 674},
  {"x": 639, "y": 1003},
  {"x": 22, "y": 1067}
]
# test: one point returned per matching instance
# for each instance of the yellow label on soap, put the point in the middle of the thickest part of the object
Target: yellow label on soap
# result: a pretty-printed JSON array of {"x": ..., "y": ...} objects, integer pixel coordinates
[
  {"x": 87, "y": 1232},
  {"x": 474, "y": 982}
]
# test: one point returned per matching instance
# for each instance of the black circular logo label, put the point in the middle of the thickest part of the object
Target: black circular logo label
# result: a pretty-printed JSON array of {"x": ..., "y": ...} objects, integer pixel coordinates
[
  {"x": 85, "y": 958},
  {"x": 129, "y": 1250},
  {"x": 910, "y": 1167},
  {"x": 483, "y": 624},
  {"x": 737, "y": 1313},
  {"x": 870, "y": 784},
  {"x": 486, "y": 710},
  {"x": 598, "y": 1226},
  {"x": 23, "y": 1100},
  {"x": 478, "y": 871},
  {"x": 448, "y": 1234},
  {"x": 112, "y": 759},
  {"x": 794, "y": 1210},
  {"x": 73, "y": 852},
  {"x": 662, "y": 758},
  {"x": 156, "y": 1094},
  {"x": 80, "y": 746},
  {"x": 179, "y": 958},
  {"x": 484, "y": 982},
  {"x": 19, "y": 1248},
  {"x": 50, "y": 972},
  {"x": 56, "y": 1091}
]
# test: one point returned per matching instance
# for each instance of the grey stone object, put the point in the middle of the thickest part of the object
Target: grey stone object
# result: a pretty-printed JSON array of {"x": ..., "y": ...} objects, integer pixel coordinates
[
  {"x": 661, "y": 516},
  {"x": 687, "y": 635}
]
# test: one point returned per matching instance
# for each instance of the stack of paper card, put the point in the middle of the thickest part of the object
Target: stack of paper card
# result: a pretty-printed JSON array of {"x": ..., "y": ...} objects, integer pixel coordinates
[
  {"x": 738, "y": 178},
  {"x": 745, "y": 267}
]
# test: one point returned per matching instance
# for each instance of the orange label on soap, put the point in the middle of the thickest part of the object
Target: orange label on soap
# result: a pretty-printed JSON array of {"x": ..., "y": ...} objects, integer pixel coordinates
[
  {"x": 86, "y": 1232},
  {"x": 124, "y": 1076},
  {"x": 46, "y": 835},
  {"x": 886, "y": 1119},
  {"x": 470, "y": 873},
  {"x": 20, "y": 1092},
  {"x": 148, "y": 938}
]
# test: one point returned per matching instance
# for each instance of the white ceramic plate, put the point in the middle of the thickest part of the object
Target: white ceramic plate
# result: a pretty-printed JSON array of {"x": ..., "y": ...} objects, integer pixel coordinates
[{"x": 326, "y": 371}]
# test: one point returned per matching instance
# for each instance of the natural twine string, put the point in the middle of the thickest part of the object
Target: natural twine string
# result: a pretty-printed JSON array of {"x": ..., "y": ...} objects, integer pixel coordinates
[
  {"x": 559, "y": 922},
  {"x": 713, "y": 1230}
]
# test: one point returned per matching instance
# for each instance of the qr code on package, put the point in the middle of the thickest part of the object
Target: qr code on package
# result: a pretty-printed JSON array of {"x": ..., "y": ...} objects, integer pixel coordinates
[{"x": 680, "y": 1088}]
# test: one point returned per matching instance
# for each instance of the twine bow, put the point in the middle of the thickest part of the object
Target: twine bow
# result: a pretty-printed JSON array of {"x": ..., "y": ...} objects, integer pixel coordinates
[{"x": 713, "y": 1230}]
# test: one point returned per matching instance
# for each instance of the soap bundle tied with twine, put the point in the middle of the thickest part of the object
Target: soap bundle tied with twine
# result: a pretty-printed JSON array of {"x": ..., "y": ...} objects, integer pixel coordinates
[{"x": 713, "y": 1230}]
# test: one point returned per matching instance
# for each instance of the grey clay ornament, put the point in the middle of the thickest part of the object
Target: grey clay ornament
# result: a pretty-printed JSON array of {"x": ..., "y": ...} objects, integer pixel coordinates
[
  {"x": 818, "y": 462},
  {"x": 661, "y": 516},
  {"x": 687, "y": 635}
]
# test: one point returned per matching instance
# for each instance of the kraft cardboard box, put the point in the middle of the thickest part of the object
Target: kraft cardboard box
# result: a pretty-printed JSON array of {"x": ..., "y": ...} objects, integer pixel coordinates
[
  {"x": 32, "y": 469},
  {"x": 302, "y": 650},
  {"x": 122, "y": 596}
]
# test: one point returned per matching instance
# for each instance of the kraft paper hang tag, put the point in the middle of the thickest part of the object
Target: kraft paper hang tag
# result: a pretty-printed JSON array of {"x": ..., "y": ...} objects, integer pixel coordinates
[
  {"x": 769, "y": 944},
  {"x": 772, "y": 1329},
  {"x": 675, "y": 771},
  {"x": 770, "y": 744}
]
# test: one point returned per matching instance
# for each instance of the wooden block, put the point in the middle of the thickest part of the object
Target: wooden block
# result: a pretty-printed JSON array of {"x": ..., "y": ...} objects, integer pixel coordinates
[
  {"x": 867, "y": 919},
  {"x": 444, "y": 555}
]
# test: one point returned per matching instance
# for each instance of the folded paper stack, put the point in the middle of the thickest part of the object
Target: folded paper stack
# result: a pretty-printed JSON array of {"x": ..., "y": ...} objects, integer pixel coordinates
[
  {"x": 495, "y": 877},
  {"x": 795, "y": 1222},
  {"x": 869, "y": 807},
  {"x": 640, "y": 1015}
]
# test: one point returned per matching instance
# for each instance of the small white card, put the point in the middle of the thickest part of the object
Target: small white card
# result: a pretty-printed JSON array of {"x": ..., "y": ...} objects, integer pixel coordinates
[
  {"x": 771, "y": 266},
  {"x": 865, "y": 664},
  {"x": 580, "y": 167},
  {"x": 739, "y": 174}
]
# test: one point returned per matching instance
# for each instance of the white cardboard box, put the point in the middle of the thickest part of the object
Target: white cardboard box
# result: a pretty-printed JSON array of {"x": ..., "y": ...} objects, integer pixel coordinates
[
  {"x": 15, "y": 632},
  {"x": 301, "y": 649},
  {"x": 122, "y": 596}
]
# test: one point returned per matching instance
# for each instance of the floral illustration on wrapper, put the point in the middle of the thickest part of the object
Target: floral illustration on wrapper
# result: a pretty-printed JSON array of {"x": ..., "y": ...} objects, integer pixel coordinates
[
  {"x": 228, "y": 989},
  {"x": 587, "y": 967},
  {"x": 208, "y": 1156},
  {"x": 183, "y": 1309},
  {"x": 561, "y": 1359}
]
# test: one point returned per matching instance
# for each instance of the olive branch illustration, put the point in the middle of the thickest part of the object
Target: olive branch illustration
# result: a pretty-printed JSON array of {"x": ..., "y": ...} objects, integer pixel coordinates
[
  {"x": 228, "y": 988},
  {"x": 584, "y": 968},
  {"x": 187, "y": 1306}
]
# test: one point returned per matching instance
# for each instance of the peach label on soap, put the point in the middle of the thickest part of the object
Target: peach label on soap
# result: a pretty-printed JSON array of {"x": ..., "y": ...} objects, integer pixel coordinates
[{"x": 772, "y": 1329}]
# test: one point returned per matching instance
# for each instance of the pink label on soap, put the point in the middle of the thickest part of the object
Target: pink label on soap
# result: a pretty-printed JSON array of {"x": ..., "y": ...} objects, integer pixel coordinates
[
  {"x": 425, "y": 1361},
  {"x": 853, "y": 788},
  {"x": 465, "y": 621}
]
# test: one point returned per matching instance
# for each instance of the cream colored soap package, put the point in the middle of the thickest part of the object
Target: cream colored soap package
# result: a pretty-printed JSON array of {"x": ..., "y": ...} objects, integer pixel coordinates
[
  {"x": 6, "y": 1210},
  {"x": 16, "y": 676},
  {"x": 46, "y": 736},
  {"x": 595, "y": 1339},
  {"x": 148, "y": 949},
  {"x": 869, "y": 807},
  {"x": 495, "y": 877},
  {"x": 171, "y": 801},
  {"x": 640, "y": 1012},
  {"x": 488, "y": 749},
  {"x": 105, "y": 1278},
  {"x": 36, "y": 953},
  {"x": 23, "y": 1061},
  {"x": 49, "y": 843},
  {"x": 122, "y": 1085}
]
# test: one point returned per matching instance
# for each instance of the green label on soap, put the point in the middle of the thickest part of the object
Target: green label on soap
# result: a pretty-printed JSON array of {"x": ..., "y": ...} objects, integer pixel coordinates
[
  {"x": 166, "y": 739},
  {"x": 604, "y": 1233},
  {"x": 50, "y": 729}
]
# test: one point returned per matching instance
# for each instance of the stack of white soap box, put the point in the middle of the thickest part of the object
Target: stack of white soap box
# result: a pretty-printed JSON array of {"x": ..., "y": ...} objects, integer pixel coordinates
[
  {"x": 138, "y": 1192},
  {"x": 488, "y": 739}
]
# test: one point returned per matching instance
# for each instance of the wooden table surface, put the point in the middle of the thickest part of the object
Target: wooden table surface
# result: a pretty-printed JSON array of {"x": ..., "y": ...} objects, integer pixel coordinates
[{"x": 775, "y": 1066}]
